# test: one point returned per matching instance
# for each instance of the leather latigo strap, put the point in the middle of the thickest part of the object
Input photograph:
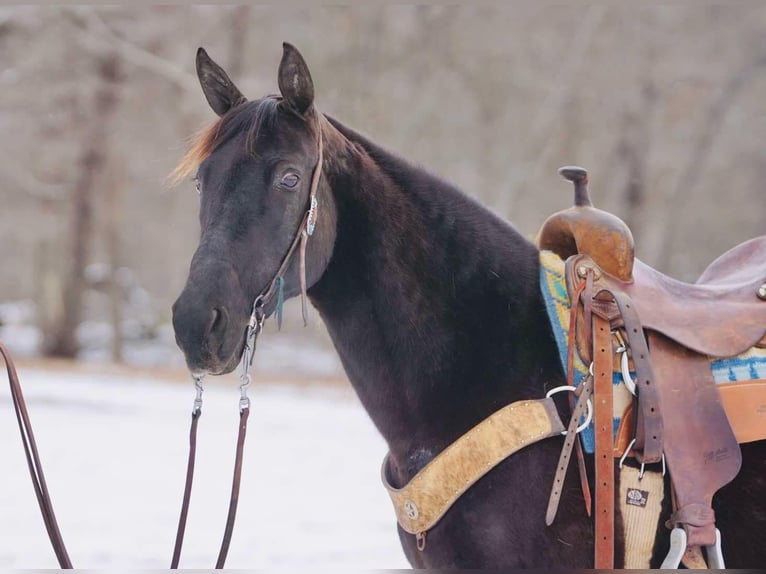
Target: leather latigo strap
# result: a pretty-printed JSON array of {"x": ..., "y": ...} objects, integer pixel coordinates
[
  {"x": 613, "y": 305},
  {"x": 422, "y": 502},
  {"x": 649, "y": 424},
  {"x": 700, "y": 447},
  {"x": 604, "y": 461}
]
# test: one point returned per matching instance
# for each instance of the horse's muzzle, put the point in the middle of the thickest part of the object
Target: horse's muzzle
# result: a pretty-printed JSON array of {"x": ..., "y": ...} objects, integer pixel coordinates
[{"x": 206, "y": 334}]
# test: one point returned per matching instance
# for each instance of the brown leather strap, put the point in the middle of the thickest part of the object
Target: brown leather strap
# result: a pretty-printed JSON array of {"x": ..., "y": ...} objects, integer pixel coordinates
[
  {"x": 43, "y": 496},
  {"x": 604, "y": 461},
  {"x": 745, "y": 406},
  {"x": 244, "y": 413},
  {"x": 196, "y": 414},
  {"x": 583, "y": 472},
  {"x": 427, "y": 497},
  {"x": 300, "y": 239},
  {"x": 572, "y": 335},
  {"x": 234, "y": 498},
  {"x": 700, "y": 447},
  {"x": 648, "y": 447},
  {"x": 33, "y": 462},
  {"x": 578, "y": 412}
]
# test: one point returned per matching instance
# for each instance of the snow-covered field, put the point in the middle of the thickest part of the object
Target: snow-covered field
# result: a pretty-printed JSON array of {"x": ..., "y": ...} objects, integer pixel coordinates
[{"x": 114, "y": 451}]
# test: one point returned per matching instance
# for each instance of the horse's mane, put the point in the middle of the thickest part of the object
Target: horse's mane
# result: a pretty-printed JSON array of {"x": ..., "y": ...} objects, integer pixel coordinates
[
  {"x": 398, "y": 168},
  {"x": 250, "y": 116},
  {"x": 432, "y": 191}
]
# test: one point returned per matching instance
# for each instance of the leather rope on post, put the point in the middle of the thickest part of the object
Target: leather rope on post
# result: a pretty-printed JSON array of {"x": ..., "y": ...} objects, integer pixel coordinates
[{"x": 33, "y": 462}]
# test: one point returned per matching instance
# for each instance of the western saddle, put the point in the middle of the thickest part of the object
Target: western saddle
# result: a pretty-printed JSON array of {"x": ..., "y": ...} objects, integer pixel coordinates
[{"x": 678, "y": 417}]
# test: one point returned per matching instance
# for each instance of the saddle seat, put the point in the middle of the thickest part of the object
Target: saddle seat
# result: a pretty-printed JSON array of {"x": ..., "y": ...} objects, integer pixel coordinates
[{"x": 721, "y": 315}]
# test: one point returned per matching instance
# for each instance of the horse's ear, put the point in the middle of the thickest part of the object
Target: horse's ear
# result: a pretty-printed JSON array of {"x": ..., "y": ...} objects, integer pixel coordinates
[
  {"x": 295, "y": 80},
  {"x": 220, "y": 91}
]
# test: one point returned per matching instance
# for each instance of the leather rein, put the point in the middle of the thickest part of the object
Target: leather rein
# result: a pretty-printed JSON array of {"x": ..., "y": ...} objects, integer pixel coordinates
[{"x": 254, "y": 328}]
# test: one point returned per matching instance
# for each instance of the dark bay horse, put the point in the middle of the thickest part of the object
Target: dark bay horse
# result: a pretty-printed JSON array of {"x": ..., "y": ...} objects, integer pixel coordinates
[{"x": 433, "y": 304}]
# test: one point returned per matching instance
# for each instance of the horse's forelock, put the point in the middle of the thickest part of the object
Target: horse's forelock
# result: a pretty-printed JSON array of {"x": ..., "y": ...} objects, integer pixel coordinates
[{"x": 251, "y": 116}]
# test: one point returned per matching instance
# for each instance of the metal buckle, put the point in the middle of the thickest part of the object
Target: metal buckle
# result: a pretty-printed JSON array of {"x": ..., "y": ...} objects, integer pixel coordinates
[
  {"x": 198, "y": 399},
  {"x": 244, "y": 401},
  {"x": 643, "y": 465},
  {"x": 311, "y": 220},
  {"x": 625, "y": 370},
  {"x": 254, "y": 328}
]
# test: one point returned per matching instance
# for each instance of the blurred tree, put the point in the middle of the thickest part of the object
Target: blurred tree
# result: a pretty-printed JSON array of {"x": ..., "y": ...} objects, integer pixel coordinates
[
  {"x": 63, "y": 341},
  {"x": 493, "y": 97}
]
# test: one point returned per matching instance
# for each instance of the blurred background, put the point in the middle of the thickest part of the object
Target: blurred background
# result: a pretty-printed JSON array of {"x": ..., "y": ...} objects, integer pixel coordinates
[{"x": 665, "y": 105}]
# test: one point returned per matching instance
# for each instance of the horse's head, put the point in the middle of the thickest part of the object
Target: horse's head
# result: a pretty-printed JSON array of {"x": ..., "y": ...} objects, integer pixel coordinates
[{"x": 254, "y": 171}]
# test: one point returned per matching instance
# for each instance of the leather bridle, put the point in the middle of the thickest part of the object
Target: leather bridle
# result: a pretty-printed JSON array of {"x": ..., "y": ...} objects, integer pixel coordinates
[{"x": 254, "y": 328}]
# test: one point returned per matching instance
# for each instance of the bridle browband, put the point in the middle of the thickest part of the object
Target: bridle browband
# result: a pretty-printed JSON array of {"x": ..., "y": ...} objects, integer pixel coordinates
[{"x": 254, "y": 328}]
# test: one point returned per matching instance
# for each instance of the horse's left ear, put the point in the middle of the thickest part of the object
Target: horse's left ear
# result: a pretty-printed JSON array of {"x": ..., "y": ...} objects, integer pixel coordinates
[
  {"x": 295, "y": 80},
  {"x": 219, "y": 90}
]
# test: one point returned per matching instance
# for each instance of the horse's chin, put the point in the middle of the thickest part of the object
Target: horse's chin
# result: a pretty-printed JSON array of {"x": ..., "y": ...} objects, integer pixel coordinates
[
  {"x": 215, "y": 366},
  {"x": 233, "y": 361}
]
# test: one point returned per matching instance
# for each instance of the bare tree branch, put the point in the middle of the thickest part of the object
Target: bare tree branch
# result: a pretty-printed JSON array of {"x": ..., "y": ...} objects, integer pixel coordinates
[
  {"x": 544, "y": 124},
  {"x": 102, "y": 34},
  {"x": 31, "y": 185}
]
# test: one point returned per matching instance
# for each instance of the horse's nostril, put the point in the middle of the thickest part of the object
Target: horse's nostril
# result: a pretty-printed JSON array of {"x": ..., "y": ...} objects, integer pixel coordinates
[{"x": 217, "y": 322}]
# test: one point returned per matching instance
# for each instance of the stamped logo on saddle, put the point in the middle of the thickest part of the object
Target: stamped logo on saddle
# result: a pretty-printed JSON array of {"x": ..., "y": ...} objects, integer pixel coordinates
[{"x": 636, "y": 497}]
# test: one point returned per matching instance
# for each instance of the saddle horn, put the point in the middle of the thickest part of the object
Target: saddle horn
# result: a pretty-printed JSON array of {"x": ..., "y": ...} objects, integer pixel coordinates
[{"x": 585, "y": 229}]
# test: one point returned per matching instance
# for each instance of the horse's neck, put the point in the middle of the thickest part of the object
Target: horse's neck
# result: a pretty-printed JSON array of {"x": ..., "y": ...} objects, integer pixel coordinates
[{"x": 432, "y": 302}]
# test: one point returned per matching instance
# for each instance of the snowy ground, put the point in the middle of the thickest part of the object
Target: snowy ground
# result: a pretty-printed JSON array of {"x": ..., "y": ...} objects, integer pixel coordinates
[{"x": 114, "y": 451}]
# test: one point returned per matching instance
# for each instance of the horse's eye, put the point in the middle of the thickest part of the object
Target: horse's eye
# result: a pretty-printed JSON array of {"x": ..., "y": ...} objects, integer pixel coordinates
[
  {"x": 196, "y": 183},
  {"x": 290, "y": 180}
]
